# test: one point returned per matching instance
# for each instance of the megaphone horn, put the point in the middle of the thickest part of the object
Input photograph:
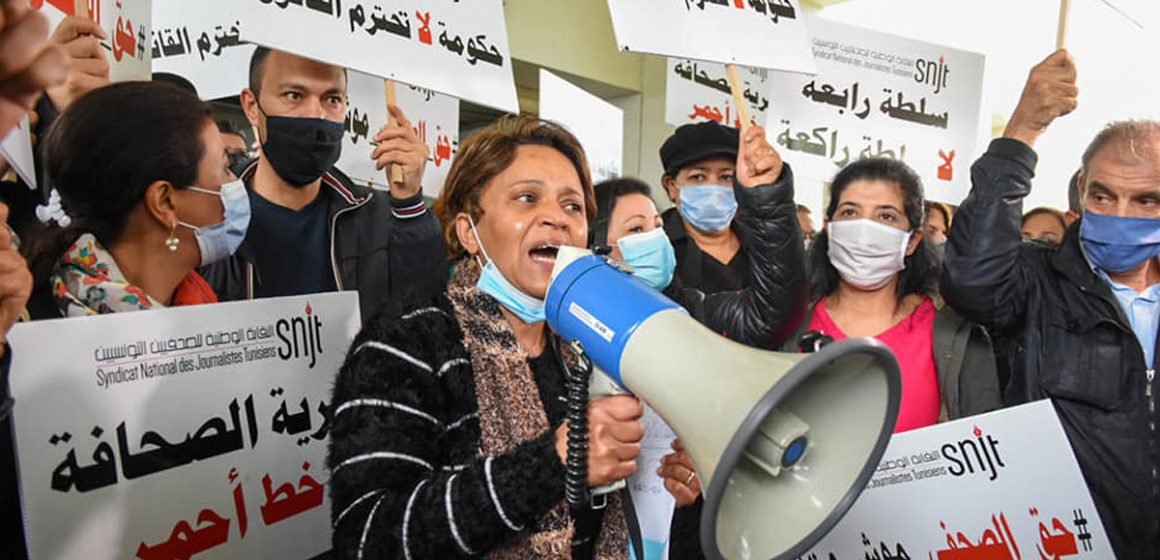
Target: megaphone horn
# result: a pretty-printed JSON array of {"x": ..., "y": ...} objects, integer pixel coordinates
[{"x": 785, "y": 442}]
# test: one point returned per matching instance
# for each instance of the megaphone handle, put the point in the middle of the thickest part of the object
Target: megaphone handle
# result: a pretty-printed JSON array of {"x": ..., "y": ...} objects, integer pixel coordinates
[
  {"x": 600, "y": 495},
  {"x": 576, "y": 386},
  {"x": 602, "y": 386},
  {"x": 584, "y": 382}
]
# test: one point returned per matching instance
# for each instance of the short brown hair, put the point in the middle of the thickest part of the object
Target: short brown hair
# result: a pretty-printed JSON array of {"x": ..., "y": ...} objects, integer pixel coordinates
[{"x": 487, "y": 154}]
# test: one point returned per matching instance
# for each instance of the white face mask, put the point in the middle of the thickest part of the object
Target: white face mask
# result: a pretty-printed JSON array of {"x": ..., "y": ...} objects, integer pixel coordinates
[{"x": 866, "y": 253}]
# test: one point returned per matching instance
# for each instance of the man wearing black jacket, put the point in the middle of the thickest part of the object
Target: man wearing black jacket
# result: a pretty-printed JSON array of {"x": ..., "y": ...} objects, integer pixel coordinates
[
  {"x": 312, "y": 229},
  {"x": 1083, "y": 316}
]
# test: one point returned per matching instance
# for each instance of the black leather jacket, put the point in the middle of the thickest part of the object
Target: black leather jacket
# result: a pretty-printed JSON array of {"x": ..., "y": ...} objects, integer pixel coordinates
[
  {"x": 764, "y": 315},
  {"x": 382, "y": 247},
  {"x": 767, "y": 312},
  {"x": 1074, "y": 344}
]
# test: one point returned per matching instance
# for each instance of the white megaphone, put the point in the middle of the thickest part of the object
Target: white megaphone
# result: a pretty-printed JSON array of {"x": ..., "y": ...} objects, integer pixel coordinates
[{"x": 783, "y": 443}]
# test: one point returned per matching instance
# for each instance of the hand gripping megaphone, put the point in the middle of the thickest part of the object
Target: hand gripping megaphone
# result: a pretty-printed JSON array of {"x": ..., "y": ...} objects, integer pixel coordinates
[{"x": 783, "y": 443}]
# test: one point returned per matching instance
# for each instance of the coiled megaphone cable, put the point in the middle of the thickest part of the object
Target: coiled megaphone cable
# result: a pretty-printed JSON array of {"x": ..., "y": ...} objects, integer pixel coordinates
[{"x": 576, "y": 379}]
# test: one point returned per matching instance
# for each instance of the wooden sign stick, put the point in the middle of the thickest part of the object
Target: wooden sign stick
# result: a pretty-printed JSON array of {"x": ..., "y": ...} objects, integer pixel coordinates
[
  {"x": 81, "y": 7},
  {"x": 1061, "y": 34},
  {"x": 396, "y": 170},
  {"x": 738, "y": 97}
]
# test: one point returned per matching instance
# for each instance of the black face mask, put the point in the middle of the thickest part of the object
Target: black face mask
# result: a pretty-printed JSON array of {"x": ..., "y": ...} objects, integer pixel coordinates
[
  {"x": 238, "y": 161},
  {"x": 938, "y": 250},
  {"x": 300, "y": 149}
]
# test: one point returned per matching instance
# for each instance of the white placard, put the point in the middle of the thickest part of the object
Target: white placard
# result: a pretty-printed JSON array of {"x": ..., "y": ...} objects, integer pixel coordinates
[
  {"x": 698, "y": 91},
  {"x": 435, "y": 118},
  {"x": 180, "y": 432},
  {"x": 200, "y": 40},
  {"x": 598, "y": 124},
  {"x": 452, "y": 47},
  {"x": 127, "y": 23},
  {"x": 16, "y": 149},
  {"x": 880, "y": 95},
  {"x": 651, "y": 501},
  {"x": 1003, "y": 485},
  {"x": 756, "y": 33}
]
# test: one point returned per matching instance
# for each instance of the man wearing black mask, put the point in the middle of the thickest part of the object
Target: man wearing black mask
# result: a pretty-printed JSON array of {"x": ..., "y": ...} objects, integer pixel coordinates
[
  {"x": 237, "y": 149},
  {"x": 312, "y": 229}
]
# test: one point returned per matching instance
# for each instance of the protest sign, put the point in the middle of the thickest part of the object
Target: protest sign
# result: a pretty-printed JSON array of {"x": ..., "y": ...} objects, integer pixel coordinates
[
  {"x": 16, "y": 149},
  {"x": 200, "y": 40},
  {"x": 598, "y": 124},
  {"x": 651, "y": 501},
  {"x": 435, "y": 118},
  {"x": 127, "y": 24},
  {"x": 880, "y": 95},
  {"x": 756, "y": 33},
  {"x": 1003, "y": 485},
  {"x": 459, "y": 49},
  {"x": 180, "y": 432},
  {"x": 699, "y": 91}
]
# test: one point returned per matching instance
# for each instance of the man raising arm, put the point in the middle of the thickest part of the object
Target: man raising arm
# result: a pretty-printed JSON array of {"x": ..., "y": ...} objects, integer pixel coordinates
[{"x": 1083, "y": 316}]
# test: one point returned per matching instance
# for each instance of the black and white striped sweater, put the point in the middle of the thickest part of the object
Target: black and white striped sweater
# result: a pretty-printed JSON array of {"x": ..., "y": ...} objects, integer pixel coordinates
[{"x": 407, "y": 479}]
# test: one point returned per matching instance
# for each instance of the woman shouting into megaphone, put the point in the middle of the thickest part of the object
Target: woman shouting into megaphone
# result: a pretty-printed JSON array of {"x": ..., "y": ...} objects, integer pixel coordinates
[{"x": 449, "y": 435}]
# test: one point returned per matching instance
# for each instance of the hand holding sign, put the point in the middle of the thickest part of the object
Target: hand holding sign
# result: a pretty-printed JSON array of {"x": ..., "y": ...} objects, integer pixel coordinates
[
  {"x": 757, "y": 162},
  {"x": 1049, "y": 94},
  {"x": 15, "y": 280},
  {"x": 28, "y": 63},
  {"x": 679, "y": 475},
  {"x": 89, "y": 67},
  {"x": 399, "y": 145}
]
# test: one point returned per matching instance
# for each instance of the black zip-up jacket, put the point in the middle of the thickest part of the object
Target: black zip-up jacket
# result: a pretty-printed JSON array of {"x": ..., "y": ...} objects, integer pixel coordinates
[
  {"x": 769, "y": 309},
  {"x": 765, "y": 314},
  {"x": 1074, "y": 343},
  {"x": 382, "y": 247}
]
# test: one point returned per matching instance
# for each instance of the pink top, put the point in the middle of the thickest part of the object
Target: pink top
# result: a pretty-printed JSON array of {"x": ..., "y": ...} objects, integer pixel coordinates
[{"x": 911, "y": 342}]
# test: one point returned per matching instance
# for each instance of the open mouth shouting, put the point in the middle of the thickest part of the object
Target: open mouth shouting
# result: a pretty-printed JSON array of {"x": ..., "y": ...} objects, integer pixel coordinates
[{"x": 545, "y": 253}]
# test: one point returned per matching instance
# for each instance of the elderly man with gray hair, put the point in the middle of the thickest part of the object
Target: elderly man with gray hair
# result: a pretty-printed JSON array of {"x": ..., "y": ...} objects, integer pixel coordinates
[{"x": 1084, "y": 314}]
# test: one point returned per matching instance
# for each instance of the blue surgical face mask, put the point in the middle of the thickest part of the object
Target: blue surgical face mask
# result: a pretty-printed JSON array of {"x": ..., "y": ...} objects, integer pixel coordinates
[
  {"x": 492, "y": 282},
  {"x": 709, "y": 208},
  {"x": 651, "y": 257},
  {"x": 1119, "y": 244},
  {"x": 219, "y": 241}
]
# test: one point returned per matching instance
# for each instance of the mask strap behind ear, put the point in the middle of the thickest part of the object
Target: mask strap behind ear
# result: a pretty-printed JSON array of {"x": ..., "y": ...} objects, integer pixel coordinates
[
  {"x": 254, "y": 127},
  {"x": 478, "y": 241},
  {"x": 203, "y": 191}
]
